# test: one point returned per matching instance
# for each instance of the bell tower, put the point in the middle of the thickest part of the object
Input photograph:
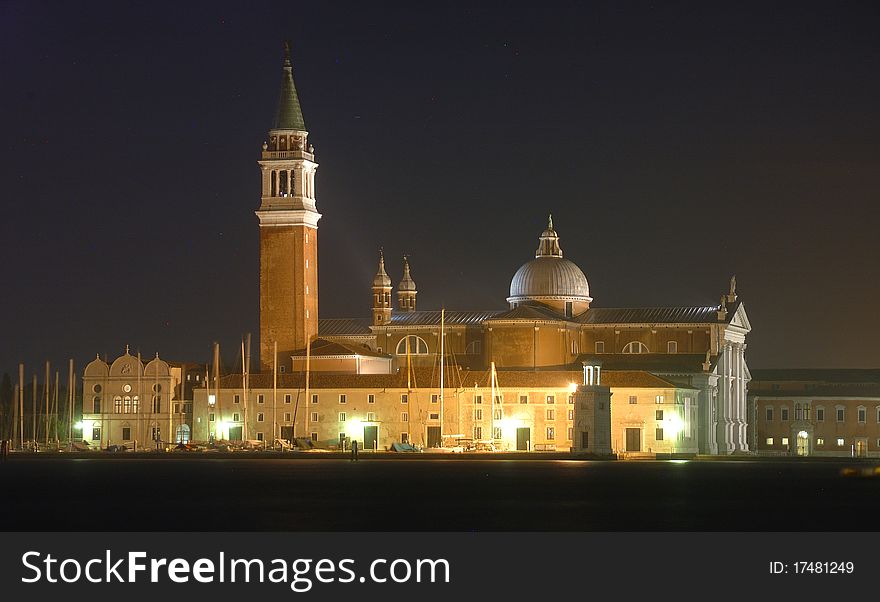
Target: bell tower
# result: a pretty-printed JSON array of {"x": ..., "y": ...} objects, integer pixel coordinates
[
  {"x": 288, "y": 230},
  {"x": 381, "y": 294}
]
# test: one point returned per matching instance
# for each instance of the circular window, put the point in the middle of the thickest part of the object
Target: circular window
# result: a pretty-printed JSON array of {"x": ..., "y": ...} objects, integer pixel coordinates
[
  {"x": 96, "y": 388},
  {"x": 157, "y": 387},
  {"x": 126, "y": 388}
]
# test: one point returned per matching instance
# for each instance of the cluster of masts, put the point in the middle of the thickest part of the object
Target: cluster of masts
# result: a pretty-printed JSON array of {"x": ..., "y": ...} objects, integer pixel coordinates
[{"x": 45, "y": 426}]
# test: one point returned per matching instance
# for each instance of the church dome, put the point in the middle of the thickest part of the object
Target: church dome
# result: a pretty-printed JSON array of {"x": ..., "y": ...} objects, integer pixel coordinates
[{"x": 549, "y": 277}]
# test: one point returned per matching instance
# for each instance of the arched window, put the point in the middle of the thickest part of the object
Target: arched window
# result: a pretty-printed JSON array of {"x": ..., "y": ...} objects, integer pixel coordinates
[
  {"x": 96, "y": 404},
  {"x": 671, "y": 347},
  {"x": 635, "y": 347},
  {"x": 117, "y": 404},
  {"x": 157, "y": 404},
  {"x": 127, "y": 404},
  {"x": 416, "y": 344},
  {"x": 182, "y": 434},
  {"x": 282, "y": 182},
  {"x": 474, "y": 348}
]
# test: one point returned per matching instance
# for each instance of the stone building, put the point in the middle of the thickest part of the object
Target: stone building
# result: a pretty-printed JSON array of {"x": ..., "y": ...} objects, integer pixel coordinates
[
  {"x": 549, "y": 326},
  {"x": 136, "y": 404},
  {"x": 816, "y": 412}
]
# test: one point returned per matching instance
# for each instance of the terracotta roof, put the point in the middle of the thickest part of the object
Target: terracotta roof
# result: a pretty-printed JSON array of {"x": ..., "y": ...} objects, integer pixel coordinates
[
  {"x": 427, "y": 378},
  {"x": 432, "y": 318},
  {"x": 323, "y": 347}
]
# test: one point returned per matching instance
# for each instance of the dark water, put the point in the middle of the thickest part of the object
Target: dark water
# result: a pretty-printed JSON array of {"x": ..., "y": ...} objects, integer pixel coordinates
[{"x": 217, "y": 494}]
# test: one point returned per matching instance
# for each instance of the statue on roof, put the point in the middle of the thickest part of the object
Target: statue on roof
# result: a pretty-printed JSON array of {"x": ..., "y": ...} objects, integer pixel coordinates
[{"x": 733, "y": 287}]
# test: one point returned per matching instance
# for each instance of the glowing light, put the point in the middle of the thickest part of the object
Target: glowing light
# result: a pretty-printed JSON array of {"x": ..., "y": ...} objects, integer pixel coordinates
[
  {"x": 354, "y": 428},
  {"x": 572, "y": 387},
  {"x": 674, "y": 424},
  {"x": 79, "y": 425},
  {"x": 212, "y": 399}
]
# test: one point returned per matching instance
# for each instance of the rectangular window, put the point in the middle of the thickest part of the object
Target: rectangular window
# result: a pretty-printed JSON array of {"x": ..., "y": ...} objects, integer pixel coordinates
[
  {"x": 315, "y": 437},
  {"x": 342, "y": 398},
  {"x": 478, "y": 414},
  {"x": 551, "y": 399},
  {"x": 261, "y": 398},
  {"x": 820, "y": 414},
  {"x": 404, "y": 398},
  {"x": 769, "y": 413},
  {"x": 371, "y": 398},
  {"x": 783, "y": 414},
  {"x": 435, "y": 398},
  {"x": 434, "y": 416},
  {"x": 287, "y": 398},
  {"x": 524, "y": 399},
  {"x": 314, "y": 417},
  {"x": 96, "y": 405},
  {"x": 404, "y": 416},
  {"x": 156, "y": 433},
  {"x": 785, "y": 441},
  {"x": 478, "y": 399},
  {"x": 633, "y": 400},
  {"x": 478, "y": 432},
  {"x": 769, "y": 440},
  {"x": 571, "y": 414},
  {"x": 236, "y": 398},
  {"x": 658, "y": 399},
  {"x": 259, "y": 417},
  {"x": 371, "y": 416},
  {"x": 211, "y": 417},
  {"x": 840, "y": 442},
  {"x": 820, "y": 441},
  {"x": 314, "y": 398},
  {"x": 658, "y": 435},
  {"x": 286, "y": 416},
  {"x": 551, "y": 433},
  {"x": 496, "y": 415},
  {"x": 658, "y": 415},
  {"x": 404, "y": 437},
  {"x": 177, "y": 408},
  {"x": 259, "y": 436},
  {"x": 840, "y": 414},
  {"x": 341, "y": 416},
  {"x": 600, "y": 346},
  {"x": 570, "y": 433},
  {"x": 499, "y": 399},
  {"x": 878, "y": 415},
  {"x": 551, "y": 414},
  {"x": 863, "y": 415},
  {"x": 496, "y": 432},
  {"x": 236, "y": 417},
  {"x": 126, "y": 433}
]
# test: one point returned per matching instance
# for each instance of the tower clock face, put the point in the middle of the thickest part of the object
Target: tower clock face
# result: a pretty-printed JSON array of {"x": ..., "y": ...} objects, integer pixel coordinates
[{"x": 126, "y": 388}]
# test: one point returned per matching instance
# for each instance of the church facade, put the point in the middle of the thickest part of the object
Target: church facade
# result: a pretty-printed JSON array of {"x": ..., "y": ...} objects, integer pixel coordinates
[{"x": 678, "y": 370}]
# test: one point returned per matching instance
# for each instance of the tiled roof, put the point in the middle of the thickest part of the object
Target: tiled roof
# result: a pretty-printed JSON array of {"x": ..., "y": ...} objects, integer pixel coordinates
[
  {"x": 427, "y": 378},
  {"x": 323, "y": 347},
  {"x": 529, "y": 312},
  {"x": 344, "y": 327},
  {"x": 432, "y": 317},
  {"x": 652, "y": 315}
]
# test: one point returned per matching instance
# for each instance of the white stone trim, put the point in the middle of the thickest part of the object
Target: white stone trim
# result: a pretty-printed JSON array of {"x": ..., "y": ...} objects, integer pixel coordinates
[{"x": 288, "y": 217}]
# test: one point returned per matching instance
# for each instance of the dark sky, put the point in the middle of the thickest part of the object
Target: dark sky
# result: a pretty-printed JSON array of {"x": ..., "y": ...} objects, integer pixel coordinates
[{"x": 675, "y": 144}]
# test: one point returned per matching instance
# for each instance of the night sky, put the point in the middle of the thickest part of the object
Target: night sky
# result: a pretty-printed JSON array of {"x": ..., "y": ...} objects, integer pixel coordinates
[{"x": 675, "y": 144}]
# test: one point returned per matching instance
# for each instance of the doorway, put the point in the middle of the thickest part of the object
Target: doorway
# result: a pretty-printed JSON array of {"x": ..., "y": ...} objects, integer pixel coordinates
[
  {"x": 371, "y": 437},
  {"x": 434, "y": 439},
  {"x": 633, "y": 440},
  {"x": 235, "y": 433},
  {"x": 523, "y": 438},
  {"x": 861, "y": 448},
  {"x": 803, "y": 443},
  {"x": 287, "y": 433}
]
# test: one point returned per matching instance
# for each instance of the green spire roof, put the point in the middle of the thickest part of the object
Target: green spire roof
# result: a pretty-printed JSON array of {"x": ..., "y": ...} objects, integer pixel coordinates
[{"x": 289, "y": 115}]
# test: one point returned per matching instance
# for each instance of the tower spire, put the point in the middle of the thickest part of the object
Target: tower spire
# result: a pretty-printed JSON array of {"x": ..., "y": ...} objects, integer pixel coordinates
[
  {"x": 548, "y": 244},
  {"x": 381, "y": 293},
  {"x": 289, "y": 115},
  {"x": 406, "y": 289}
]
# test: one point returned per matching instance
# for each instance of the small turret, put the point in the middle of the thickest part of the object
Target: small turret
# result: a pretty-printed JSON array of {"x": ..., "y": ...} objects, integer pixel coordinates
[
  {"x": 381, "y": 294},
  {"x": 406, "y": 290}
]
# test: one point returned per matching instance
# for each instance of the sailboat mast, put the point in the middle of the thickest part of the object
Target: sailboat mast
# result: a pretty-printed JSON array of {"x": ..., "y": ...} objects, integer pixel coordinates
[
  {"x": 70, "y": 397},
  {"x": 244, "y": 388},
  {"x": 217, "y": 384},
  {"x": 21, "y": 406},
  {"x": 46, "y": 396},
  {"x": 274, "y": 391},
  {"x": 442, "y": 362},
  {"x": 308, "y": 399},
  {"x": 137, "y": 409},
  {"x": 55, "y": 405},
  {"x": 247, "y": 377},
  {"x": 492, "y": 418}
]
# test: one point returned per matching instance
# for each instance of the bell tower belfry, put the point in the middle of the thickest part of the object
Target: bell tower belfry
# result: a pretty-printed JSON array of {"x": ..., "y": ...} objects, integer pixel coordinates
[{"x": 288, "y": 230}]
